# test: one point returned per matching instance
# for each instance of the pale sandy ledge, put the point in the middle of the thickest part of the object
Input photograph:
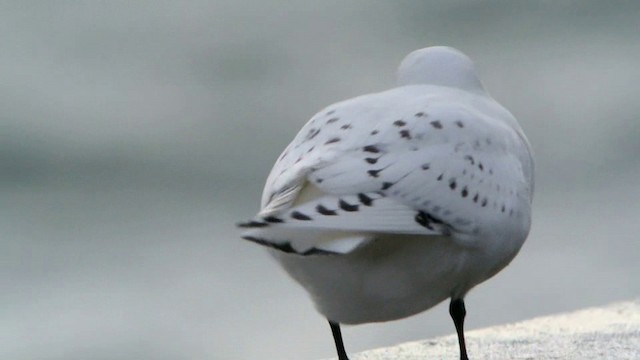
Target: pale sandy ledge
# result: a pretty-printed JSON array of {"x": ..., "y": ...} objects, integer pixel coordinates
[{"x": 609, "y": 332}]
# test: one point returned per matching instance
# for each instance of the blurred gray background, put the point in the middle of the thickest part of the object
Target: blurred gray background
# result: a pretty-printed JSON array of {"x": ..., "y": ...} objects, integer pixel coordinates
[{"x": 133, "y": 135}]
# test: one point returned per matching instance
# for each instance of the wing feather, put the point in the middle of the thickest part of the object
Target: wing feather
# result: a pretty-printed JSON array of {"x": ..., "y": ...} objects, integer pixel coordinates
[{"x": 428, "y": 166}]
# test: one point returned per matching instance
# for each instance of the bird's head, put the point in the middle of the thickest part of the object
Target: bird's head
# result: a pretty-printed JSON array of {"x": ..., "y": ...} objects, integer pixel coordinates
[{"x": 439, "y": 65}]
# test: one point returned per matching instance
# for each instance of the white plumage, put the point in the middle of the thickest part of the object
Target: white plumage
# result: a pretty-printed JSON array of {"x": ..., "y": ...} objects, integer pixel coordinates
[{"x": 386, "y": 204}]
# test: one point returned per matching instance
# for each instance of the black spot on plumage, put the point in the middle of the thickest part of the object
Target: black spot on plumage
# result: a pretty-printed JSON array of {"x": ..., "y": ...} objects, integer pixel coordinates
[
  {"x": 475, "y": 198},
  {"x": 319, "y": 181},
  {"x": 459, "y": 123},
  {"x": 427, "y": 220},
  {"x": 286, "y": 247},
  {"x": 419, "y": 114},
  {"x": 330, "y": 112},
  {"x": 405, "y": 134},
  {"x": 386, "y": 185},
  {"x": 273, "y": 219},
  {"x": 332, "y": 120},
  {"x": 371, "y": 160},
  {"x": 422, "y": 218},
  {"x": 312, "y": 133},
  {"x": 365, "y": 200},
  {"x": 374, "y": 132},
  {"x": 324, "y": 211},
  {"x": 252, "y": 224},
  {"x": 311, "y": 149},
  {"x": 439, "y": 178},
  {"x": 452, "y": 184},
  {"x": 399, "y": 123},
  {"x": 484, "y": 202},
  {"x": 300, "y": 216},
  {"x": 503, "y": 208},
  {"x": 436, "y": 124},
  {"x": 480, "y": 166},
  {"x": 464, "y": 192},
  {"x": 374, "y": 173},
  {"x": 346, "y": 127},
  {"x": 470, "y": 159},
  {"x": 346, "y": 206},
  {"x": 371, "y": 148},
  {"x": 333, "y": 140},
  {"x": 425, "y": 166}
]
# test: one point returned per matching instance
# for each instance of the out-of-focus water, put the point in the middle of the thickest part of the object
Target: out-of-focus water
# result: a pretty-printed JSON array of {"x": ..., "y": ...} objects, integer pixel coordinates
[{"x": 134, "y": 135}]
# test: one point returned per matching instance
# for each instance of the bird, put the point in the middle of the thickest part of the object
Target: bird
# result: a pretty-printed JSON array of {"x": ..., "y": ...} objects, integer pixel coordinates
[{"x": 387, "y": 204}]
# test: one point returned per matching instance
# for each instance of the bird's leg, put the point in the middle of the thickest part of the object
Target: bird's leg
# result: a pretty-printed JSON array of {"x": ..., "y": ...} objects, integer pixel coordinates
[
  {"x": 458, "y": 312},
  {"x": 337, "y": 337}
]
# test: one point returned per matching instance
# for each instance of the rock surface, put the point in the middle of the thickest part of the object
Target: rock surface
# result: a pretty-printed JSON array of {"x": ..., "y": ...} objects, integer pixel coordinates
[{"x": 611, "y": 332}]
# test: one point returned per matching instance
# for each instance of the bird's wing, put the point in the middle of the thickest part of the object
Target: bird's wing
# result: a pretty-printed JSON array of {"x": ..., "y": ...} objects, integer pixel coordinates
[{"x": 389, "y": 163}]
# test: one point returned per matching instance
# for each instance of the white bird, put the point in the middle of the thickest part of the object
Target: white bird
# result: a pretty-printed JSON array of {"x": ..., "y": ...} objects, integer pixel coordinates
[{"x": 386, "y": 204}]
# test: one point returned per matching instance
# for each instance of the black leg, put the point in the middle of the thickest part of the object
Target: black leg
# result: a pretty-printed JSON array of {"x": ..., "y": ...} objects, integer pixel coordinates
[
  {"x": 337, "y": 337},
  {"x": 458, "y": 312}
]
